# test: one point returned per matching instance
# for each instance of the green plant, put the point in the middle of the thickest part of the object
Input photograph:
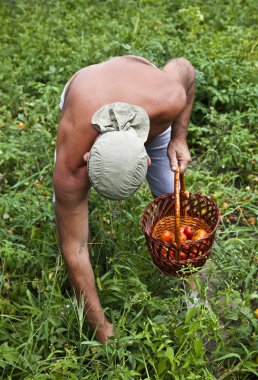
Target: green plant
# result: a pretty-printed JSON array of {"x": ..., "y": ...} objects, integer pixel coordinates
[{"x": 43, "y": 334}]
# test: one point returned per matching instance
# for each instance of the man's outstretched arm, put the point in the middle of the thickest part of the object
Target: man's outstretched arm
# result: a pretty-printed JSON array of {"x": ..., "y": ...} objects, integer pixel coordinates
[
  {"x": 178, "y": 152},
  {"x": 71, "y": 185}
]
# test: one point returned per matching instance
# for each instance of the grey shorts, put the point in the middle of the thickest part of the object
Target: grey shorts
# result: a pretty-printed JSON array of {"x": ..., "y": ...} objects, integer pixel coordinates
[{"x": 159, "y": 176}]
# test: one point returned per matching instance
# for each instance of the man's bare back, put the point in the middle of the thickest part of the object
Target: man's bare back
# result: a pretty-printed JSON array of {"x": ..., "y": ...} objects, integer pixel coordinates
[{"x": 133, "y": 80}]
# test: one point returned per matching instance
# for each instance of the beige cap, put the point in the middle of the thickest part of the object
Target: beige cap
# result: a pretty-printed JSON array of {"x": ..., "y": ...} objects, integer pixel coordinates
[{"x": 118, "y": 161}]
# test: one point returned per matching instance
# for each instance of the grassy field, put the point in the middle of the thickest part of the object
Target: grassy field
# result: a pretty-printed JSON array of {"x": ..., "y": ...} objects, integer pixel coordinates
[{"x": 43, "y": 334}]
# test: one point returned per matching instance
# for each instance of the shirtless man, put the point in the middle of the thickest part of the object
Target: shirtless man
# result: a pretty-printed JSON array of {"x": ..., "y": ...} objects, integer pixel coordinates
[{"x": 167, "y": 96}]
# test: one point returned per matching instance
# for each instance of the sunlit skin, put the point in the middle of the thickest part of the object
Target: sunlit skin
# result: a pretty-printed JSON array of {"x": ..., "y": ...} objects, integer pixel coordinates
[{"x": 167, "y": 95}]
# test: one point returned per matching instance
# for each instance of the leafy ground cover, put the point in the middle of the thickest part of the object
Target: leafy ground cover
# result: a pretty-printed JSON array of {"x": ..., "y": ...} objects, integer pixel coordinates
[{"x": 43, "y": 334}]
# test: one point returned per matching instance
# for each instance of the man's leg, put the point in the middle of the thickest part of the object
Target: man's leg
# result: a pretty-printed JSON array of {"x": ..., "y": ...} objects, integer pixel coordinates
[{"x": 160, "y": 177}]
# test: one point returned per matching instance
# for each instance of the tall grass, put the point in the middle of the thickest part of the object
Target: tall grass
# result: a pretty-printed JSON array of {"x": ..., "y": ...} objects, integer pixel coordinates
[{"x": 43, "y": 334}]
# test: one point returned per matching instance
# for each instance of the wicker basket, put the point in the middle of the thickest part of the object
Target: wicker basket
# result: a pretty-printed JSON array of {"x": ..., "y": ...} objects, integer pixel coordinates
[{"x": 170, "y": 211}]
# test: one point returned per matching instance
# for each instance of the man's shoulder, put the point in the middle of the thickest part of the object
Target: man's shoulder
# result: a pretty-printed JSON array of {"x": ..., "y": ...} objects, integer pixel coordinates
[{"x": 173, "y": 100}]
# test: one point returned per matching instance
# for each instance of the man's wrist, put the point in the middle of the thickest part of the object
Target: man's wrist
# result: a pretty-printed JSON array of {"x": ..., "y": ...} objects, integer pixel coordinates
[{"x": 178, "y": 139}]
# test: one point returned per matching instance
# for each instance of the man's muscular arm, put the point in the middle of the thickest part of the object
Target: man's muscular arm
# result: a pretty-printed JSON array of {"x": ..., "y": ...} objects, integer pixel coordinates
[
  {"x": 71, "y": 185},
  {"x": 178, "y": 151}
]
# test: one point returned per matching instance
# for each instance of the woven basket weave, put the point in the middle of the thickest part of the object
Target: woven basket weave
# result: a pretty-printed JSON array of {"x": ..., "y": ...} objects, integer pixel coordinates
[{"x": 169, "y": 212}]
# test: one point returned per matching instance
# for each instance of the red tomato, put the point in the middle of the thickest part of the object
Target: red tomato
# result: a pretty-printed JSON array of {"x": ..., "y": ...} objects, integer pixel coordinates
[
  {"x": 189, "y": 231},
  {"x": 167, "y": 236},
  {"x": 183, "y": 255},
  {"x": 183, "y": 237},
  {"x": 196, "y": 252},
  {"x": 164, "y": 251},
  {"x": 172, "y": 254},
  {"x": 192, "y": 255},
  {"x": 199, "y": 234},
  {"x": 181, "y": 228},
  {"x": 181, "y": 233}
]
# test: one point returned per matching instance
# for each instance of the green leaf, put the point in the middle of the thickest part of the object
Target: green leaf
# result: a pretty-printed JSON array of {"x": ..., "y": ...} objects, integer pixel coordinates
[
  {"x": 198, "y": 346},
  {"x": 179, "y": 331},
  {"x": 91, "y": 343},
  {"x": 190, "y": 314},
  {"x": 228, "y": 356},
  {"x": 162, "y": 366},
  {"x": 169, "y": 353}
]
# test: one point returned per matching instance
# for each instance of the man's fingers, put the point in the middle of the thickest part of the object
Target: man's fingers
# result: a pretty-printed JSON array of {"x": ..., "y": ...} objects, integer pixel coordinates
[
  {"x": 179, "y": 157},
  {"x": 173, "y": 161},
  {"x": 183, "y": 162},
  {"x": 86, "y": 156},
  {"x": 183, "y": 166}
]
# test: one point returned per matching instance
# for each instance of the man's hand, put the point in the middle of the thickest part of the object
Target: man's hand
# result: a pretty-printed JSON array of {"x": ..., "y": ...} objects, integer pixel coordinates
[{"x": 178, "y": 154}]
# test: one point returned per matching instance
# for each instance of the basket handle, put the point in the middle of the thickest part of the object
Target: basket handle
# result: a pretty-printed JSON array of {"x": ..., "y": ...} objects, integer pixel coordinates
[{"x": 179, "y": 187}]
